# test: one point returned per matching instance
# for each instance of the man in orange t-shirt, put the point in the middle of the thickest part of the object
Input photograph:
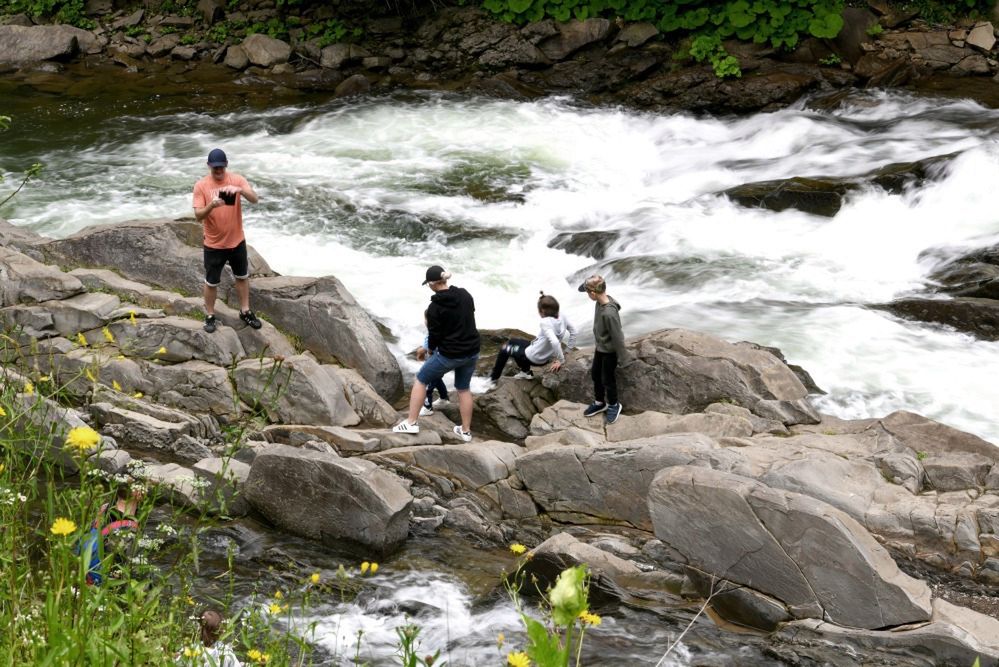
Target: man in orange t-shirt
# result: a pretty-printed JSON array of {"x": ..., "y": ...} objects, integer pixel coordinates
[{"x": 217, "y": 205}]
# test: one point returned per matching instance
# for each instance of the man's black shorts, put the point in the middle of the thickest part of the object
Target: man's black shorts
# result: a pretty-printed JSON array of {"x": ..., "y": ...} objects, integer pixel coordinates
[{"x": 217, "y": 258}]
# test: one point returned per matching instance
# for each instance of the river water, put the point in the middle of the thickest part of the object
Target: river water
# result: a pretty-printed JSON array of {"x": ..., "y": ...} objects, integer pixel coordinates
[{"x": 375, "y": 190}]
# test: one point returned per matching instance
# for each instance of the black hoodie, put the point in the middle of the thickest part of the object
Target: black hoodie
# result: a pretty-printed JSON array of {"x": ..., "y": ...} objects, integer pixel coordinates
[{"x": 451, "y": 323}]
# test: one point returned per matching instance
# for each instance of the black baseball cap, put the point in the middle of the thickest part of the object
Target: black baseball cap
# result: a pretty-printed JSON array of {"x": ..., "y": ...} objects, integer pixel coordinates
[
  {"x": 595, "y": 284},
  {"x": 436, "y": 274},
  {"x": 217, "y": 158}
]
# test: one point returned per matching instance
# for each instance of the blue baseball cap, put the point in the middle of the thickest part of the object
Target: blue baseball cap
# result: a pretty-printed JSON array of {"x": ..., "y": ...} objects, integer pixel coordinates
[{"x": 217, "y": 158}]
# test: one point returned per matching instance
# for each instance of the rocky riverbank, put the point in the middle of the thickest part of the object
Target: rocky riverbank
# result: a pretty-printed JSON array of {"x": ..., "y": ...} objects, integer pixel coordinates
[
  {"x": 463, "y": 48},
  {"x": 721, "y": 481}
]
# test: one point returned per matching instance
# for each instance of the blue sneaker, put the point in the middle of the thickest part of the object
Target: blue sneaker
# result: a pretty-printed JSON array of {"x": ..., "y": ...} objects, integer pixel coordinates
[
  {"x": 594, "y": 409},
  {"x": 613, "y": 412}
]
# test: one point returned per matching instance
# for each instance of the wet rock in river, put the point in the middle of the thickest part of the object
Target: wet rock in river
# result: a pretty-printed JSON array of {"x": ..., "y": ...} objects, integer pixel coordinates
[{"x": 978, "y": 317}]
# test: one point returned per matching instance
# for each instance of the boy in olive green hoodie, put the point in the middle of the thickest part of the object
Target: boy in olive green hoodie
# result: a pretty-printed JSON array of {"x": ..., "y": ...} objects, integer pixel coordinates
[{"x": 610, "y": 351}]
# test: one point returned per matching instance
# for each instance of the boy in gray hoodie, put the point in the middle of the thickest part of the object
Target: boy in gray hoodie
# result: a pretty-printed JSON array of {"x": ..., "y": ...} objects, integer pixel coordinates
[{"x": 610, "y": 351}]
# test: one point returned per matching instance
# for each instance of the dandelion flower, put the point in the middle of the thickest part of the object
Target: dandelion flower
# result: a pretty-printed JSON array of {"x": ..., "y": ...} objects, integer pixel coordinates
[
  {"x": 278, "y": 595},
  {"x": 63, "y": 527},
  {"x": 82, "y": 439},
  {"x": 115, "y": 385},
  {"x": 314, "y": 578},
  {"x": 517, "y": 548},
  {"x": 131, "y": 317},
  {"x": 162, "y": 350},
  {"x": 192, "y": 652},
  {"x": 137, "y": 394},
  {"x": 365, "y": 566},
  {"x": 108, "y": 336},
  {"x": 518, "y": 659},
  {"x": 253, "y": 654},
  {"x": 274, "y": 608},
  {"x": 374, "y": 568},
  {"x": 29, "y": 389},
  {"x": 589, "y": 619},
  {"x": 81, "y": 340},
  {"x": 3, "y": 413},
  {"x": 44, "y": 378}
]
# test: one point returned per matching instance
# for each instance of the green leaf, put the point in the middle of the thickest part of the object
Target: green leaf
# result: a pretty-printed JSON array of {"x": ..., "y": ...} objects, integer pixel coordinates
[
  {"x": 519, "y": 6},
  {"x": 827, "y": 25},
  {"x": 740, "y": 14},
  {"x": 542, "y": 647}
]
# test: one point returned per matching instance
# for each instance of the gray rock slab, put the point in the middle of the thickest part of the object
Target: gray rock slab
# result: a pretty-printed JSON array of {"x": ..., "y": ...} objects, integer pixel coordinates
[
  {"x": 606, "y": 483},
  {"x": 328, "y": 498},
  {"x": 266, "y": 51},
  {"x": 329, "y": 322},
  {"x": 295, "y": 390},
  {"x": 472, "y": 465},
  {"x": 342, "y": 439},
  {"x": 812, "y": 557},
  {"x": 24, "y": 280},
  {"x": 180, "y": 338}
]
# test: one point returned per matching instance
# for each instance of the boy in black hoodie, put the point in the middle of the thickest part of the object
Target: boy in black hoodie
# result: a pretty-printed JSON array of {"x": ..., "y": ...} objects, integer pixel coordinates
[
  {"x": 610, "y": 351},
  {"x": 454, "y": 339}
]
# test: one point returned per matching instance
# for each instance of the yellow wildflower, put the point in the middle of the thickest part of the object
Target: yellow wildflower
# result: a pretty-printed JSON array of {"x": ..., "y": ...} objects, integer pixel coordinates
[
  {"x": 162, "y": 350},
  {"x": 500, "y": 639},
  {"x": 82, "y": 439},
  {"x": 3, "y": 413},
  {"x": 314, "y": 578},
  {"x": 63, "y": 527},
  {"x": 29, "y": 389},
  {"x": 589, "y": 619},
  {"x": 44, "y": 378},
  {"x": 131, "y": 317},
  {"x": 81, "y": 340},
  {"x": 108, "y": 336},
  {"x": 190, "y": 652},
  {"x": 190, "y": 600},
  {"x": 517, "y": 548},
  {"x": 365, "y": 566},
  {"x": 274, "y": 608},
  {"x": 137, "y": 394},
  {"x": 115, "y": 385},
  {"x": 518, "y": 659},
  {"x": 258, "y": 657},
  {"x": 374, "y": 568},
  {"x": 278, "y": 595},
  {"x": 120, "y": 357},
  {"x": 2, "y": 467},
  {"x": 90, "y": 375}
]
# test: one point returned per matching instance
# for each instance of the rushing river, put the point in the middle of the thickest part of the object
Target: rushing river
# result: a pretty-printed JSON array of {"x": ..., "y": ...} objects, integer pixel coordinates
[{"x": 373, "y": 191}]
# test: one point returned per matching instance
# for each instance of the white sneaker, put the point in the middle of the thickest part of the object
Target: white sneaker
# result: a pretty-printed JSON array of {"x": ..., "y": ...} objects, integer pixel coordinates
[
  {"x": 523, "y": 375},
  {"x": 405, "y": 427},
  {"x": 425, "y": 411},
  {"x": 465, "y": 436},
  {"x": 488, "y": 385},
  {"x": 441, "y": 402}
]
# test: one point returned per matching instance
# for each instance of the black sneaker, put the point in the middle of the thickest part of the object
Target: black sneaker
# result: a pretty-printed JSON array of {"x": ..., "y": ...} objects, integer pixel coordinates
[
  {"x": 594, "y": 409},
  {"x": 613, "y": 412},
  {"x": 211, "y": 323},
  {"x": 250, "y": 319}
]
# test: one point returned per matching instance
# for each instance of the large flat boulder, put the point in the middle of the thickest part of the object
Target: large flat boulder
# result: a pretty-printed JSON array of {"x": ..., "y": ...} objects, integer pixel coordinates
[
  {"x": 65, "y": 317},
  {"x": 328, "y": 322},
  {"x": 680, "y": 371},
  {"x": 127, "y": 248},
  {"x": 803, "y": 552},
  {"x": 24, "y": 280},
  {"x": 327, "y": 498},
  {"x": 472, "y": 465},
  {"x": 606, "y": 483},
  {"x": 177, "y": 339},
  {"x": 295, "y": 390},
  {"x": 42, "y": 42}
]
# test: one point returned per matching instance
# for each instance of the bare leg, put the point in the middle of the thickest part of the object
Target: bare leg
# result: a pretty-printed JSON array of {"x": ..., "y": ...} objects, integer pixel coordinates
[
  {"x": 416, "y": 397},
  {"x": 243, "y": 292},
  {"x": 210, "y": 294},
  {"x": 465, "y": 406}
]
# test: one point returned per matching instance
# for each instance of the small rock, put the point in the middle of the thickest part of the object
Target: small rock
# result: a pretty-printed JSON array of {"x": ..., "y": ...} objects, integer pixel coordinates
[
  {"x": 982, "y": 36},
  {"x": 354, "y": 85}
]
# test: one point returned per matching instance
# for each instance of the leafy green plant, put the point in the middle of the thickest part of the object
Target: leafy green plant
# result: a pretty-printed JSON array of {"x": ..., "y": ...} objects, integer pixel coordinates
[
  {"x": 709, "y": 47},
  {"x": 875, "y": 29},
  {"x": 330, "y": 31},
  {"x": 833, "y": 59},
  {"x": 189, "y": 39}
]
